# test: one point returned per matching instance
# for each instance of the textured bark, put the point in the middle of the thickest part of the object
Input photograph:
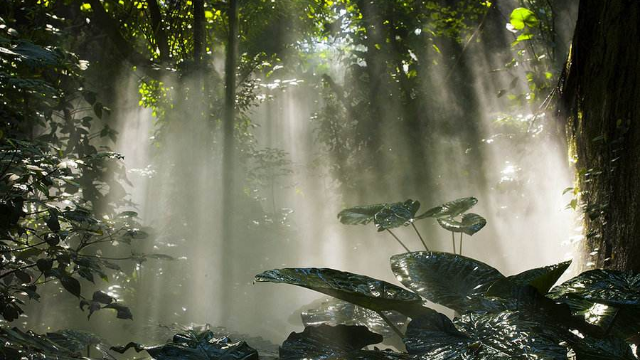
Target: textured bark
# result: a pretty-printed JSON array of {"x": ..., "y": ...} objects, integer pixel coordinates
[{"x": 600, "y": 100}]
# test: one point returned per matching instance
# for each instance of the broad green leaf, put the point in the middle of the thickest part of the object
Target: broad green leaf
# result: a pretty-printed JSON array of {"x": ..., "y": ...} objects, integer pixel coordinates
[
  {"x": 396, "y": 215},
  {"x": 360, "y": 290},
  {"x": 195, "y": 346},
  {"x": 454, "y": 281},
  {"x": 450, "y": 209},
  {"x": 482, "y": 337},
  {"x": 338, "y": 312},
  {"x": 540, "y": 278},
  {"x": 327, "y": 342},
  {"x": 70, "y": 284},
  {"x": 521, "y": 17},
  {"x": 470, "y": 224},
  {"x": 359, "y": 214},
  {"x": 609, "y": 287}
]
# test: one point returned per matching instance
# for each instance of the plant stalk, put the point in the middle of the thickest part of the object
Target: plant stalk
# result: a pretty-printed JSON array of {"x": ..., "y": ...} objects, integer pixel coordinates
[
  {"x": 398, "y": 240},
  {"x": 391, "y": 324},
  {"x": 420, "y": 236},
  {"x": 453, "y": 242}
]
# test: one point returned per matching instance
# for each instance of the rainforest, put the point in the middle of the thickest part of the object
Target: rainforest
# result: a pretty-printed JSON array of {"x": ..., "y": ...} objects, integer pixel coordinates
[{"x": 319, "y": 179}]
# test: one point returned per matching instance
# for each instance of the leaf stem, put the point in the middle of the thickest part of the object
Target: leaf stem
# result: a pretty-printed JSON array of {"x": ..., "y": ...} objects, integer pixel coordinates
[
  {"x": 391, "y": 324},
  {"x": 453, "y": 242},
  {"x": 403, "y": 245},
  {"x": 420, "y": 236}
]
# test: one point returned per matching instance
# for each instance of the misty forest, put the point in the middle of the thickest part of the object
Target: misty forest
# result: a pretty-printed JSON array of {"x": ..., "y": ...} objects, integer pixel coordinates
[{"x": 320, "y": 179}]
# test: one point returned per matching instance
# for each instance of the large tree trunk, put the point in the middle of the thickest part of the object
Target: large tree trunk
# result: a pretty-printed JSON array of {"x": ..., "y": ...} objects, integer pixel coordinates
[{"x": 600, "y": 101}]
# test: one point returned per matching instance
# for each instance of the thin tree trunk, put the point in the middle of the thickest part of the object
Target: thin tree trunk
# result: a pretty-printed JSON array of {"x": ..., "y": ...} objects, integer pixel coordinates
[
  {"x": 198, "y": 30},
  {"x": 160, "y": 36},
  {"x": 229, "y": 154},
  {"x": 599, "y": 101}
]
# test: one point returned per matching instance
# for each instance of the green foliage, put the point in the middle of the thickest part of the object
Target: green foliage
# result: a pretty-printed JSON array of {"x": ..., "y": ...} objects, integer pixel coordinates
[
  {"x": 542, "y": 279},
  {"x": 499, "y": 317},
  {"x": 196, "y": 346},
  {"x": 360, "y": 290},
  {"x": 521, "y": 17},
  {"x": 337, "y": 312},
  {"x": 396, "y": 215},
  {"x": 470, "y": 224},
  {"x": 450, "y": 209},
  {"x": 360, "y": 215},
  {"x": 454, "y": 281}
]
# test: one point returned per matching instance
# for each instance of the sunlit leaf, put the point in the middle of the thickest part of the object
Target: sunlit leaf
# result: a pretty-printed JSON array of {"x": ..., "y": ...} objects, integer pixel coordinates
[
  {"x": 540, "y": 278},
  {"x": 396, "y": 215},
  {"x": 360, "y": 214},
  {"x": 195, "y": 346},
  {"x": 454, "y": 281},
  {"x": 450, "y": 209},
  {"x": 521, "y": 17},
  {"x": 482, "y": 337},
  {"x": 470, "y": 224},
  {"x": 338, "y": 312},
  {"x": 360, "y": 290},
  {"x": 609, "y": 287}
]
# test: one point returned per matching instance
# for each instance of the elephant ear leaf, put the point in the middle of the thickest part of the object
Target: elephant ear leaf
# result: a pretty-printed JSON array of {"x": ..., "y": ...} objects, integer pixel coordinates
[
  {"x": 450, "y": 209},
  {"x": 360, "y": 215},
  {"x": 482, "y": 336},
  {"x": 327, "y": 342},
  {"x": 455, "y": 281},
  {"x": 470, "y": 224},
  {"x": 542, "y": 279},
  {"x": 373, "y": 294},
  {"x": 396, "y": 215},
  {"x": 609, "y": 287}
]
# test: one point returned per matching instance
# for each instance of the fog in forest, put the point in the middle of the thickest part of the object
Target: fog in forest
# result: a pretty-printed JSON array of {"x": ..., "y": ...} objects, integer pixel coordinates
[{"x": 476, "y": 144}]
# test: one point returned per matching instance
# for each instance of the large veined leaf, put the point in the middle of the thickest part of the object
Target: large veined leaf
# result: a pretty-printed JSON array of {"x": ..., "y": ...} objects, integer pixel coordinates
[
  {"x": 78, "y": 341},
  {"x": 609, "y": 287},
  {"x": 360, "y": 290},
  {"x": 324, "y": 341},
  {"x": 338, "y": 312},
  {"x": 359, "y": 215},
  {"x": 482, "y": 336},
  {"x": 450, "y": 209},
  {"x": 454, "y": 281},
  {"x": 340, "y": 342},
  {"x": 542, "y": 279},
  {"x": 194, "y": 346},
  {"x": 470, "y": 224},
  {"x": 396, "y": 215}
]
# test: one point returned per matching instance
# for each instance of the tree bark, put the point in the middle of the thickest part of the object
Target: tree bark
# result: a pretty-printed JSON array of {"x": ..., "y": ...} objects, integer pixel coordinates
[
  {"x": 160, "y": 36},
  {"x": 228, "y": 160},
  {"x": 198, "y": 31},
  {"x": 600, "y": 102}
]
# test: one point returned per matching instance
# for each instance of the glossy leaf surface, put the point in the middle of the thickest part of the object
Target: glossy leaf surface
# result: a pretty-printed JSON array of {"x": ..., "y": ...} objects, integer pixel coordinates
[
  {"x": 360, "y": 290},
  {"x": 470, "y": 224},
  {"x": 454, "y": 281}
]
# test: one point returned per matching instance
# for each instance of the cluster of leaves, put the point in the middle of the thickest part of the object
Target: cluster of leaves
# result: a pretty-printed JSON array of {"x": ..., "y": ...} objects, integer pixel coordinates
[
  {"x": 62, "y": 345},
  {"x": 48, "y": 234},
  {"x": 52, "y": 176},
  {"x": 388, "y": 216},
  {"x": 500, "y": 317}
]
